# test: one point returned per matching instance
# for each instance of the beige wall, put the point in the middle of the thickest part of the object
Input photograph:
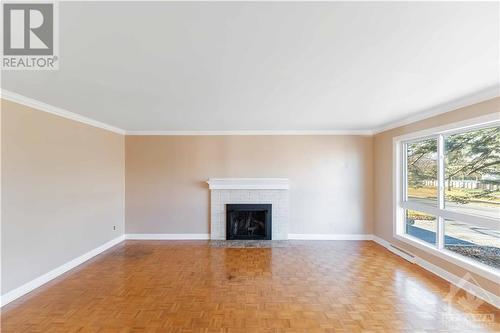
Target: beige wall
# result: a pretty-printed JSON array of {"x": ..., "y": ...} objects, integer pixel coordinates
[
  {"x": 62, "y": 191},
  {"x": 383, "y": 181},
  {"x": 331, "y": 179}
]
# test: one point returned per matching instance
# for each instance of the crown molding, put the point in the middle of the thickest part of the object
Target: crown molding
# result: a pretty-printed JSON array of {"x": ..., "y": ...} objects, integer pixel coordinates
[
  {"x": 38, "y": 105},
  {"x": 468, "y": 100},
  {"x": 254, "y": 132},
  {"x": 478, "y": 97},
  {"x": 33, "y": 103}
]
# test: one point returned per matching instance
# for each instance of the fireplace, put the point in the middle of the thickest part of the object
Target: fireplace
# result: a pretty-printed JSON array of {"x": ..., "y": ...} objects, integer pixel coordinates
[
  {"x": 248, "y": 221},
  {"x": 272, "y": 191}
]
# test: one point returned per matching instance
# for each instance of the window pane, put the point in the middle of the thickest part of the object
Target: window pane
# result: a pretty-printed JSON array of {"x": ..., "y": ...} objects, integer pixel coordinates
[
  {"x": 422, "y": 171},
  {"x": 477, "y": 242},
  {"x": 421, "y": 225},
  {"x": 472, "y": 174}
]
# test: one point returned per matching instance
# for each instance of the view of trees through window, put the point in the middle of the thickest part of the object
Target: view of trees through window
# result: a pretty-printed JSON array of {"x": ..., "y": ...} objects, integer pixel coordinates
[
  {"x": 422, "y": 171},
  {"x": 471, "y": 190},
  {"x": 472, "y": 172}
]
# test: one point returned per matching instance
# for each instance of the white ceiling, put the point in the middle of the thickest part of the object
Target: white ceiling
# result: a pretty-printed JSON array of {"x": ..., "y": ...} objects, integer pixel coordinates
[{"x": 218, "y": 66}]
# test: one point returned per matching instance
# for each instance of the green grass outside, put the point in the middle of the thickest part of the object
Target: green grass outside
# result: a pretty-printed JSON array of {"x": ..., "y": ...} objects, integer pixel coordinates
[{"x": 493, "y": 198}]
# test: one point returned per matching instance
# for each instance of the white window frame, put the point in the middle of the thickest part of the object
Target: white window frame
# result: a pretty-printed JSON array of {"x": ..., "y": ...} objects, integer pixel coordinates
[{"x": 400, "y": 204}]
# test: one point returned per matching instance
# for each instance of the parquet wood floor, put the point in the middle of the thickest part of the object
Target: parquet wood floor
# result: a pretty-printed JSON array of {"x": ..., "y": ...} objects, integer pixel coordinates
[{"x": 188, "y": 286}]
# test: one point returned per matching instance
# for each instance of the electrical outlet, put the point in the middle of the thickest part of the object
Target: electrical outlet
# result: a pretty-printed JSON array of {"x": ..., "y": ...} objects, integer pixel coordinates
[{"x": 114, "y": 227}]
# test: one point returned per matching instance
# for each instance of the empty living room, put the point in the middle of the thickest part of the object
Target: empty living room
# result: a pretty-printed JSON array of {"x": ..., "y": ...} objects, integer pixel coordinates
[{"x": 240, "y": 166}]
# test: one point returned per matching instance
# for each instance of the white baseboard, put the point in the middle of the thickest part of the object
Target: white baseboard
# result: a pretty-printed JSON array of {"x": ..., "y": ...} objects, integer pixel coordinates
[
  {"x": 41, "y": 280},
  {"x": 330, "y": 236},
  {"x": 168, "y": 236},
  {"x": 290, "y": 236},
  {"x": 465, "y": 283}
]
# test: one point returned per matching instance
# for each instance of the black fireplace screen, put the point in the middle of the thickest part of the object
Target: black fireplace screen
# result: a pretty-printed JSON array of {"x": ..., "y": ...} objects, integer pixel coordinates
[{"x": 248, "y": 221}]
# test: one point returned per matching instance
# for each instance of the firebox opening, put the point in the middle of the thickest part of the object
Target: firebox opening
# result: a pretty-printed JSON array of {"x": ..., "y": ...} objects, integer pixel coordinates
[{"x": 248, "y": 221}]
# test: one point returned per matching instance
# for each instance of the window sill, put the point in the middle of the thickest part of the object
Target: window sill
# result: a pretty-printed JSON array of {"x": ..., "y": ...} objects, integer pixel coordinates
[{"x": 478, "y": 268}]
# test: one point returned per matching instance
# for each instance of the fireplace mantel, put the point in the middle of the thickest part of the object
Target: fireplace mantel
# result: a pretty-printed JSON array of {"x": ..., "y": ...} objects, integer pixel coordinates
[
  {"x": 226, "y": 191},
  {"x": 248, "y": 183}
]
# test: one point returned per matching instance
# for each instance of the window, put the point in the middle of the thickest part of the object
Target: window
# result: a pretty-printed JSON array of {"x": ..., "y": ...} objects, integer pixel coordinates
[
  {"x": 448, "y": 193},
  {"x": 472, "y": 171},
  {"x": 421, "y": 225},
  {"x": 422, "y": 171},
  {"x": 473, "y": 241}
]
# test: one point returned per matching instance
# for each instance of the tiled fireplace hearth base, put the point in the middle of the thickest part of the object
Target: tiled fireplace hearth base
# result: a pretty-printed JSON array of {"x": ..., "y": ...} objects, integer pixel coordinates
[
  {"x": 243, "y": 244},
  {"x": 249, "y": 191}
]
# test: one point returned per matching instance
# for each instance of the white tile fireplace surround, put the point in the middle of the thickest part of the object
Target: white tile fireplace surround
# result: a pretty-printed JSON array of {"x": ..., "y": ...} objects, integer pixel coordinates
[{"x": 272, "y": 191}]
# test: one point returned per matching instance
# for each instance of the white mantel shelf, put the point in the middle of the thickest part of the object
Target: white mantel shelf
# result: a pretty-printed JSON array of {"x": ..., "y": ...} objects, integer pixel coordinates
[{"x": 248, "y": 183}]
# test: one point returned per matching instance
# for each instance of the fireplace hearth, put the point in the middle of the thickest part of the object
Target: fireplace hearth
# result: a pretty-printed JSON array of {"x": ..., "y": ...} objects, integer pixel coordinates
[{"x": 248, "y": 221}]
